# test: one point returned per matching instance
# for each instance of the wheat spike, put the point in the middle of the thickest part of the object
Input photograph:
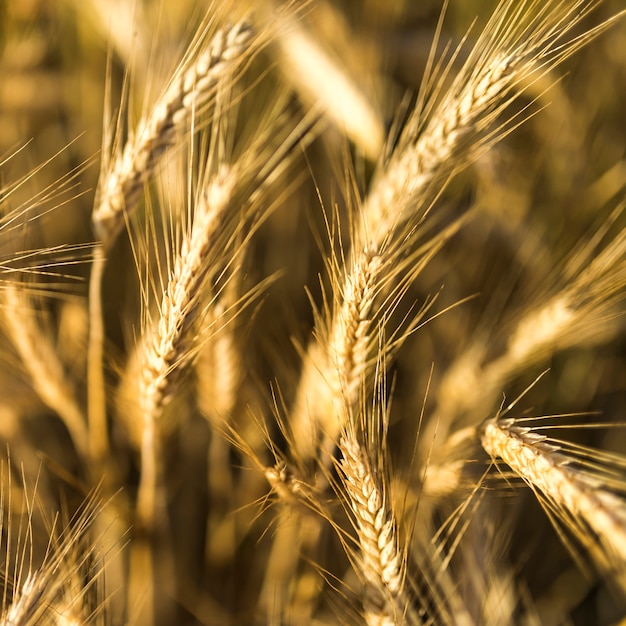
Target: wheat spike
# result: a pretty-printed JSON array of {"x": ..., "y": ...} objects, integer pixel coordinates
[
  {"x": 41, "y": 362},
  {"x": 165, "y": 349},
  {"x": 383, "y": 568},
  {"x": 517, "y": 47},
  {"x": 322, "y": 80},
  {"x": 333, "y": 372},
  {"x": 194, "y": 83},
  {"x": 545, "y": 468}
]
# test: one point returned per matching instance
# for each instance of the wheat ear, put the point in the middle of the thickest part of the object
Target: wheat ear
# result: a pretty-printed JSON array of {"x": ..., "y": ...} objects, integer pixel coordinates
[
  {"x": 121, "y": 185},
  {"x": 164, "y": 350},
  {"x": 322, "y": 80},
  {"x": 383, "y": 564},
  {"x": 521, "y": 42},
  {"x": 550, "y": 472},
  {"x": 333, "y": 371},
  {"x": 68, "y": 579}
]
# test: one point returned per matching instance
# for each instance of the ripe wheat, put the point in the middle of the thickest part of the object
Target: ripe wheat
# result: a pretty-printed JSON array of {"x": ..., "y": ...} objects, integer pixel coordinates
[{"x": 269, "y": 388}]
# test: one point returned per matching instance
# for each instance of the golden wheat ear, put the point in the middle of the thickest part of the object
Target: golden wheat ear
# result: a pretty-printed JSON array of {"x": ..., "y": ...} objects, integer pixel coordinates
[
  {"x": 450, "y": 127},
  {"x": 580, "y": 487}
]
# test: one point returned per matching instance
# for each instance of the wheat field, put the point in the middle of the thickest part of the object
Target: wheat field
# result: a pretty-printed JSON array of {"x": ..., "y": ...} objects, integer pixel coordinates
[{"x": 313, "y": 312}]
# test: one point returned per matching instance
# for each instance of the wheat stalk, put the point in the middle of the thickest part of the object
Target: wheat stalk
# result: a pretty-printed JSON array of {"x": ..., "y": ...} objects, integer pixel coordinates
[{"x": 121, "y": 182}]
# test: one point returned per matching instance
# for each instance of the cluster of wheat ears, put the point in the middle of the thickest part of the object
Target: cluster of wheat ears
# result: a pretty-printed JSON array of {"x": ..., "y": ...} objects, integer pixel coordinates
[{"x": 324, "y": 323}]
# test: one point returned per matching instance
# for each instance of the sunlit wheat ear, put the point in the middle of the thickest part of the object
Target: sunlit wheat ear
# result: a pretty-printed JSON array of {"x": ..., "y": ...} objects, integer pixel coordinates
[
  {"x": 366, "y": 289},
  {"x": 41, "y": 362},
  {"x": 193, "y": 84},
  {"x": 521, "y": 42},
  {"x": 123, "y": 25},
  {"x": 364, "y": 468},
  {"x": 574, "y": 491},
  {"x": 385, "y": 600},
  {"x": 164, "y": 349}
]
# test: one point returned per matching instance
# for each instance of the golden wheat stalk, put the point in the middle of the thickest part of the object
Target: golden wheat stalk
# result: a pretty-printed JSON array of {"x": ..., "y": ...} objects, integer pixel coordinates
[
  {"x": 122, "y": 181},
  {"x": 576, "y": 493}
]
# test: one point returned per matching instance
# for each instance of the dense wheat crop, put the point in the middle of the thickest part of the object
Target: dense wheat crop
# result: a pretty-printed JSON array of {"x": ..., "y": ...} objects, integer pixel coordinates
[{"x": 312, "y": 312}]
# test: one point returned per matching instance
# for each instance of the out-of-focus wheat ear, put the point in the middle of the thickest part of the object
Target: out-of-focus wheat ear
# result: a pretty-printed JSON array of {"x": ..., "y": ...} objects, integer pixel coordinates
[
  {"x": 219, "y": 371},
  {"x": 122, "y": 25},
  {"x": 123, "y": 178},
  {"x": 325, "y": 84},
  {"x": 62, "y": 584},
  {"x": 40, "y": 360},
  {"x": 218, "y": 376},
  {"x": 443, "y": 475},
  {"x": 576, "y": 495},
  {"x": 560, "y": 599},
  {"x": 521, "y": 42},
  {"x": 584, "y": 311}
]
